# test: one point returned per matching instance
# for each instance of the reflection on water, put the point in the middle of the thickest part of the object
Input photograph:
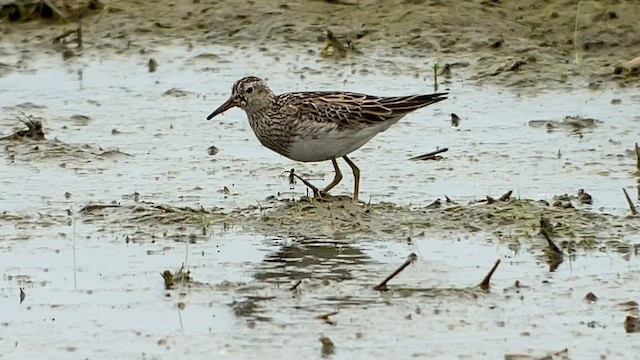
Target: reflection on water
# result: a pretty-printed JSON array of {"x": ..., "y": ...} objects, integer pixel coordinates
[{"x": 316, "y": 259}]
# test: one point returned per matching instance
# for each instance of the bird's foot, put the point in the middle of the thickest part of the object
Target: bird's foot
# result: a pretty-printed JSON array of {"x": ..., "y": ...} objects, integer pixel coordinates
[
  {"x": 317, "y": 193},
  {"x": 323, "y": 196},
  {"x": 320, "y": 195}
]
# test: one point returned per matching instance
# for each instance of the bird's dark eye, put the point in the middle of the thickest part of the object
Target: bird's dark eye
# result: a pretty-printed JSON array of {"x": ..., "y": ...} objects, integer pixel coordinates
[{"x": 249, "y": 90}]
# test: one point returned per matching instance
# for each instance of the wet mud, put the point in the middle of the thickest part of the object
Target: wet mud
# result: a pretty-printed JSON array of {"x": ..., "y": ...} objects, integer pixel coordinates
[
  {"x": 124, "y": 214},
  {"x": 524, "y": 44},
  {"x": 513, "y": 221}
]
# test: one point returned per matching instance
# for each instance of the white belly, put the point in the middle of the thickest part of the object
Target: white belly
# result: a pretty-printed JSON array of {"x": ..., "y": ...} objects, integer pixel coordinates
[{"x": 332, "y": 145}]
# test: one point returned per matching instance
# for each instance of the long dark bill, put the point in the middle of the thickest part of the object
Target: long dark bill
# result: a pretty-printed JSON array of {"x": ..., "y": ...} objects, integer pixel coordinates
[{"x": 224, "y": 107}]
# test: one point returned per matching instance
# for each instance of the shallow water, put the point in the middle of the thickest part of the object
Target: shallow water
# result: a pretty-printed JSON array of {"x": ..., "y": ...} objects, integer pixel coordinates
[{"x": 243, "y": 305}]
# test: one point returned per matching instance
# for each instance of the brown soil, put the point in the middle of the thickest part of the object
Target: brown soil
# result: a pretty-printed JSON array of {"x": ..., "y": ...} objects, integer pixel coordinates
[{"x": 516, "y": 43}]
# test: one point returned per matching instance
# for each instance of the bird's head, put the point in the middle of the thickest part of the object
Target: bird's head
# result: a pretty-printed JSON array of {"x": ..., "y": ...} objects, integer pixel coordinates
[{"x": 249, "y": 93}]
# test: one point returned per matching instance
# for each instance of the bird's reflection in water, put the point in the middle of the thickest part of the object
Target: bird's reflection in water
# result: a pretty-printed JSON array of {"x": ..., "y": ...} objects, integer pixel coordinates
[
  {"x": 316, "y": 260},
  {"x": 320, "y": 259}
]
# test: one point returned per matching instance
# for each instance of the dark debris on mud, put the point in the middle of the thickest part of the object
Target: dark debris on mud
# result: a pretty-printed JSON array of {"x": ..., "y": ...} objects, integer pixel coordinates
[
  {"x": 574, "y": 125},
  {"x": 469, "y": 292},
  {"x": 31, "y": 144},
  {"x": 22, "y": 225},
  {"x": 509, "y": 220},
  {"x": 34, "y": 131},
  {"x": 26, "y": 10},
  {"x": 56, "y": 150}
]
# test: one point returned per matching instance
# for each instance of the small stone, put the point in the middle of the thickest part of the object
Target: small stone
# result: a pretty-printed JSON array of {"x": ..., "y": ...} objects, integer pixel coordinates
[
  {"x": 497, "y": 44},
  {"x": 328, "y": 348},
  {"x": 455, "y": 120},
  {"x": 67, "y": 54},
  {"x": 591, "y": 297},
  {"x": 584, "y": 197},
  {"x": 153, "y": 65},
  {"x": 631, "y": 324}
]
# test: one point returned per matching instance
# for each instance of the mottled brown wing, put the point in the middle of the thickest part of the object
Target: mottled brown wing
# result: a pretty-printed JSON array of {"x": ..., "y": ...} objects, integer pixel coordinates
[{"x": 354, "y": 110}]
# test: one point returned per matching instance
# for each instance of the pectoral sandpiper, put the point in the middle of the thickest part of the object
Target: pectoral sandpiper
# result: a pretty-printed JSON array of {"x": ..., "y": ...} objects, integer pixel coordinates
[{"x": 319, "y": 125}]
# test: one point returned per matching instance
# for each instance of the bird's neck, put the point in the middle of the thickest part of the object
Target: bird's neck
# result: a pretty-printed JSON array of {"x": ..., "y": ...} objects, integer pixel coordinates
[{"x": 259, "y": 106}]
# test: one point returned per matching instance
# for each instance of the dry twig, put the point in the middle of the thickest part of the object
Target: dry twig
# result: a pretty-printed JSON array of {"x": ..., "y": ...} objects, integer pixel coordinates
[
  {"x": 383, "y": 285},
  {"x": 325, "y": 317},
  {"x": 637, "y": 148},
  {"x": 632, "y": 207},
  {"x": 554, "y": 248},
  {"x": 506, "y": 196},
  {"x": 430, "y": 156},
  {"x": 295, "y": 286},
  {"x": 485, "y": 284}
]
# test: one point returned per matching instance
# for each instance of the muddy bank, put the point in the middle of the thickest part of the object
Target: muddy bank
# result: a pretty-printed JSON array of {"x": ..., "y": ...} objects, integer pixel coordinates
[
  {"x": 512, "y": 221},
  {"x": 31, "y": 145},
  {"x": 521, "y": 44}
]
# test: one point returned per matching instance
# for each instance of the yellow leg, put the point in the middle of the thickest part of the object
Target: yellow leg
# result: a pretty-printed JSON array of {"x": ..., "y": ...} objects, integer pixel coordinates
[
  {"x": 356, "y": 177},
  {"x": 336, "y": 179}
]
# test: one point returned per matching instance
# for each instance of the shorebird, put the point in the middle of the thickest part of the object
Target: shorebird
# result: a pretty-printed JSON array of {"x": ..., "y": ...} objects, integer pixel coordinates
[{"x": 318, "y": 126}]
